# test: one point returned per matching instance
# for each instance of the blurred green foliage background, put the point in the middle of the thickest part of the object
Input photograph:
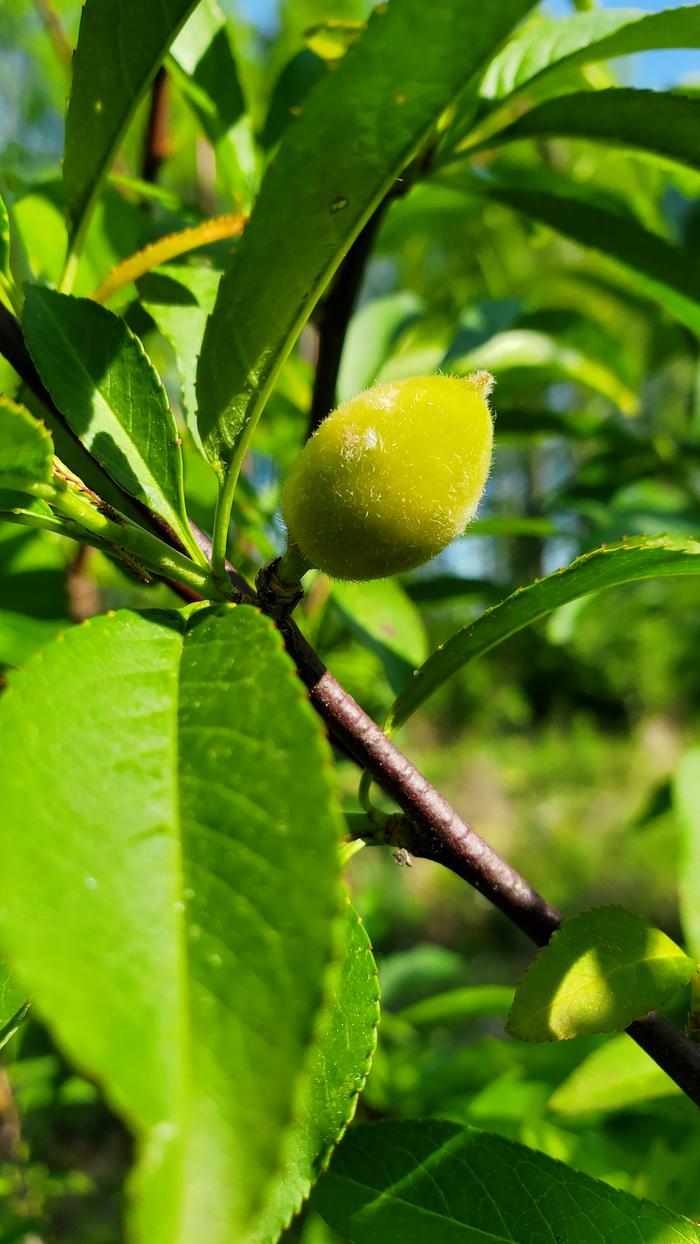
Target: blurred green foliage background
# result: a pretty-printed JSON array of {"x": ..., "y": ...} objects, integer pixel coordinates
[{"x": 560, "y": 746}]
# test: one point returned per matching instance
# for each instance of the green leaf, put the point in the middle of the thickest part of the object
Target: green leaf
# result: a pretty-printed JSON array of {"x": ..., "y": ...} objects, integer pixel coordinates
[
  {"x": 179, "y": 299},
  {"x": 509, "y": 525},
  {"x": 13, "y": 1004},
  {"x": 523, "y": 424},
  {"x": 686, "y": 800},
  {"x": 340, "y": 1063},
  {"x": 457, "y": 1006},
  {"x": 103, "y": 382},
  {"x": 4, "y": 239},
  {"x": 372, "y": 332},
  {"x": 417, "y": 973},
  {"x": 528, "y": 348},
  {"x": 426, "y": 1179},
  {"x": 180, "y": 796},
  {"x": 609, "y": 566},
  {"x": 34, "y": 603},
  {"x": 72, "y": 454},
  {"x": 656, "y": 121},
  {"x": 614, "y": 1077},
  {"x": 287, "y": 97},
  {"x": 26, "y": 449},
  {"x": 385, "y": 620},
  {"x": 331, "y": 39},
  {"x": 599, "y": 972},
  {"x": 666, "y": 274},
  {"x": 121, "y": 43},
  {"x": 204, "y": 62},
  {"x": 549, "y": 44},
  {"x": 399, "y": 77}
]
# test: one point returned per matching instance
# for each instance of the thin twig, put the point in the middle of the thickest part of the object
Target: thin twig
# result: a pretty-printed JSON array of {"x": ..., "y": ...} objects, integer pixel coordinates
[
  {"x": 333, "y": 317},
  {"x": 84, "y": 600}
]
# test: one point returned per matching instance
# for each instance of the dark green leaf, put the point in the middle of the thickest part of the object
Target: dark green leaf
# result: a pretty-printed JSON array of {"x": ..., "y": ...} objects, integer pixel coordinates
[
  {"x": 527, "y": 348},
  {"x": 598, "y": 973},
  {"x": 26, "y": 448},
  {"x": 339, "y": 1065},
  {"x": 660, "y": 271},
  {"x": 425, "y": 1179},
  {"x": 180, "y": 799},
  {"x": 103, "y": 382},
  {"x": 547, "y": 44},
  {"x": 370, "y": 337},
  {"x": 399, "y": 77},
  {"x": 617, "y": 1075},
  {"x": 656, "y": 121},
  {"x": 120, "y": 46},
  {"x": 524, "y": 424},
  {"x": 686, "y": 798},
  {"x": 605, "y": 567},
  {"x": 294, "y": 83}
]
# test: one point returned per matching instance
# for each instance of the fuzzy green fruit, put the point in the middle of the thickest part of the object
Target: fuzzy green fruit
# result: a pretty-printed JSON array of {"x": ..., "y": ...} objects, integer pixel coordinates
[{"x": 391, "y": 477}]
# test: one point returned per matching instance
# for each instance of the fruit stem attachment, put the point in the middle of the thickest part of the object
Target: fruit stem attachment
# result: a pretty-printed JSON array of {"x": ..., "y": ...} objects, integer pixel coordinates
[
  {"x": 279, "y": 583},
  {"x": 292, "y": 565}
]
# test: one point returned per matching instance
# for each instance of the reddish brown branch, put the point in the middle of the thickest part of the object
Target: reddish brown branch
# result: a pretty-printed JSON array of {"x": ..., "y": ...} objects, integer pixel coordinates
[
  {"x": 333, "y": 317},
  {"x": 434, "y": 830},
  {"x": 156, "y": 145}
]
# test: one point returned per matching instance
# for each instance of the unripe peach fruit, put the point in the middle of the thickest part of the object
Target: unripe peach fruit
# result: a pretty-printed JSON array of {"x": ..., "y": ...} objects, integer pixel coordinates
[{"x": 391, "y": 477}]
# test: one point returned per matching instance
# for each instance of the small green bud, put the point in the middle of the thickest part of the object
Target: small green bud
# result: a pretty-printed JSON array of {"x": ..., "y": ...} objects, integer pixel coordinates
[{"x": 391, "y": 477}]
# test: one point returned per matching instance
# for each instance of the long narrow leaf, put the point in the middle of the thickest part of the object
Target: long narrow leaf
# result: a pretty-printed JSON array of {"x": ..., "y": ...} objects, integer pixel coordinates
[
  {"x": 662, "y": 272},
  {"x": 372, "y": 113},
  {"x": 121, "y": 43},
  {"x": 4, "y": 239},
  {"x": 548, "y": 44},
  {"x": 604, "y": 567},
  {"x": 656, "y": 121},
  {"x": 686, "y": 800}
]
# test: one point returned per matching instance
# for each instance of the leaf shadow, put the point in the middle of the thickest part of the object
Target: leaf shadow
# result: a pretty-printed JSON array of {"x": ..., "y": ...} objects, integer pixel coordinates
[{"x": 605, "y": 986}]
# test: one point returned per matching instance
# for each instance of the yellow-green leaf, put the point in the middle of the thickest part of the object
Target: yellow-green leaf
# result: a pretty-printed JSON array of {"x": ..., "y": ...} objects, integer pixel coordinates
[{"x": 599, "y": 972}]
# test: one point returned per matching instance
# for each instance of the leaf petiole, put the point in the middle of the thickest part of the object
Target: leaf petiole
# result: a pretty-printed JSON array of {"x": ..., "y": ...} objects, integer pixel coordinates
[{"x": 115, "y": 530}]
